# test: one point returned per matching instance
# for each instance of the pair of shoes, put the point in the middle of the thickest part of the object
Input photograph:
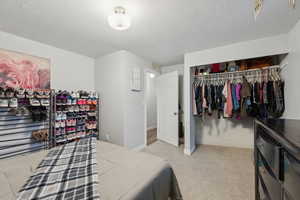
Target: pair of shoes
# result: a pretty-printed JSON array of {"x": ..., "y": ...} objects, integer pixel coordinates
[
  {"x": 45, "y": 102},
  {"x": 40, "y": 135},
  {"x": 34, "y": 102},
  {"x": 71, "y": 122},
  {"x": 22, "y": 111},
  {"x": 42, "y": 93},
  {"x": 4, "y": 103},
  {"x": 60, "y": 124},
  {"x": 84, "y": 94},
  {"x": 71, "y": 129},
  {"x": 38, "y": 113},
  {"x": 60, "y": 116},
  {"x": 75, "y": 95},
  {"x": 60, "y": 131},
  {"x": 91, "y": 125},
  {"x": 20, "y": 93},
  {"x": 80, "y": 128},
  {"x": 29, "y": 93}
]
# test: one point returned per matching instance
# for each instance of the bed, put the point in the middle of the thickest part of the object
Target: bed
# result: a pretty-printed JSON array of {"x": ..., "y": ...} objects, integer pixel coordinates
[{"x": 122, "y": 174}]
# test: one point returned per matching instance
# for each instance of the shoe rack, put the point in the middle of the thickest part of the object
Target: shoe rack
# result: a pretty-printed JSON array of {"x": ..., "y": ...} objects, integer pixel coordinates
[
  {"x": 24, "y": 120},
  {"x": 75, "y": 115}
]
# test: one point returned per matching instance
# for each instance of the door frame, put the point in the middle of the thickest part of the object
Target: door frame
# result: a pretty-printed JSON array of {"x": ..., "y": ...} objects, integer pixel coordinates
[{"x": 146, "y": 71}]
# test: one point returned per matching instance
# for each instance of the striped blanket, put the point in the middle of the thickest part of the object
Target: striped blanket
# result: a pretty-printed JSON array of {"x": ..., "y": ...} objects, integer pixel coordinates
[{"x": 68, "y": 172}]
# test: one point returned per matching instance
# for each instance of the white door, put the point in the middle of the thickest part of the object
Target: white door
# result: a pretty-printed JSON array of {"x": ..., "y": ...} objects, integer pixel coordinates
[{"x": 167, "y": 107}]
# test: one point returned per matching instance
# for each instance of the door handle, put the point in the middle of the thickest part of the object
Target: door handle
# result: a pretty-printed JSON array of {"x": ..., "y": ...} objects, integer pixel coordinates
[{"x": 175, "y": 113}]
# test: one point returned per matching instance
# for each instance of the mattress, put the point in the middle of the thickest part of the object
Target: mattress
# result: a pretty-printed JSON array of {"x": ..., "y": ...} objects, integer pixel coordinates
[{"x": 122, "y": 173}]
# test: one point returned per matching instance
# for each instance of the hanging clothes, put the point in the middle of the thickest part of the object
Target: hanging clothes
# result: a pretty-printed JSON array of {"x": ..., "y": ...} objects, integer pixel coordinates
[
  {"x": 194, "y": 106},
  {"x": 245, "y": 97},
  {"x": 230, "y": 98}
]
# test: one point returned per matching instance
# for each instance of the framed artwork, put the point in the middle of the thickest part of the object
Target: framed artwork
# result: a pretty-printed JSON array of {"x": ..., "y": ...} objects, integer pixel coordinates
[{"x": 24, "y": 71}]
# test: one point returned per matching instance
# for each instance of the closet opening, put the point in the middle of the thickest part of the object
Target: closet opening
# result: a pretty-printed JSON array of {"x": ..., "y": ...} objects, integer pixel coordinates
[
  {"x": 224, "y": 117},
  {"x": 151, "y": 108},
  {"x": 163, "y": 108}
]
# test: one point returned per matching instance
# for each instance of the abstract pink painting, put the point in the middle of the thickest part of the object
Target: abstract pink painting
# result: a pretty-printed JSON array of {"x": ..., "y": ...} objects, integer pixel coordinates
[{"x": 24, "y": 71}]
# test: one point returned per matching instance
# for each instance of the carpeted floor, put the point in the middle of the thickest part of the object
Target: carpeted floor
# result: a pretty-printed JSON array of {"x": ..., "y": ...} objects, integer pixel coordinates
[{"x": 211, "y": 173}]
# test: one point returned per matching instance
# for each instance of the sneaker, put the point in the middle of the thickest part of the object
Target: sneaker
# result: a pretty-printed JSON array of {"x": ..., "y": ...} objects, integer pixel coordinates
[
  {"x": 13, "y": 111},
  {"x": 13, "y": 103},
  {"x": 89, "y": 101},
  {"x": 62, "y": 123},
  {"x": 69, "y": 100},
  {"x": 69, "y": 122},
  {"x": 35, "y": 102},
  {"x": 2, "y": 92},
  {"x": 64, "y": 116},
  {"x": 57, "y": 124},
  {"x": 73, "y": 95},
  {"x": 39, "y": 94},
  {"x": 74, "y": 101},
  {"x": 20, "y": 93},
  {"x": 92, "y": 114},
  {"x": 76, "y": 108},
  {"x": 90, "y": 94},
  {"x": 94, "y": 125},
  {"x": 9, "y": 92},
  {"x": 70, "y": 109},
  {"x": 25, "y": 111},
  {"x": 47, "y": 93},
  {"x": 45, "y": 102},
  {"x": 29, "y": 93},
  {"x": 58, "y": 116},
  {"x": 96, "y": 96},
  {"x": 94, "y": 102},
  {"x": 3, "y": 103}
]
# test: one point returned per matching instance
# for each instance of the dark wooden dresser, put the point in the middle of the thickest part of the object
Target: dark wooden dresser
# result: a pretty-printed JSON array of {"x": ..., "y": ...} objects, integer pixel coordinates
[{"x": 277, "y": 159}]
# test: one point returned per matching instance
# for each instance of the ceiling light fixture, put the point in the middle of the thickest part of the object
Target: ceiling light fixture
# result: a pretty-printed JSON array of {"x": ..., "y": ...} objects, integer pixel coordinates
[
  {"x": 119, "y": 20},
  {"x": 152, "y": 75}
]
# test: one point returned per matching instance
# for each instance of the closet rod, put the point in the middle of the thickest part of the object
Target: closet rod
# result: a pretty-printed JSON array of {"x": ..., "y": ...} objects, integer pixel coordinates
[{"x": 238, "y": 72}]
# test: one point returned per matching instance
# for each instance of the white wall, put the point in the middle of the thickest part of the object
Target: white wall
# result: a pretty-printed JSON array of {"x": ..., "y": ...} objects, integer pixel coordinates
[
  {"x": 134, "y": 109},
  {"x": 224, "y": 132},
  {"x": 69, "y": 70},
  {"x": 151, "y": 102},
  {"x": 109, "y": 82},
  {"x": 122, "y": 110},
  {"x": 291, "y": 74}
]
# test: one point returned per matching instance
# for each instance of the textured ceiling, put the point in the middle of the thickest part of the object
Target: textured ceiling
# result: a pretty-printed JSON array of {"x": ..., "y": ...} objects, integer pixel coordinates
[{"x": 162, "y": 30}]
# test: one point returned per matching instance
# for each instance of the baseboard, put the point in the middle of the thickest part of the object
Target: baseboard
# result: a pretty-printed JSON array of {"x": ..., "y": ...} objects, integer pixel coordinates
[
  {"x": 139, "y": 148},
  {"x": 189, "y": 152},
  {"x": 240, "y": 146}
]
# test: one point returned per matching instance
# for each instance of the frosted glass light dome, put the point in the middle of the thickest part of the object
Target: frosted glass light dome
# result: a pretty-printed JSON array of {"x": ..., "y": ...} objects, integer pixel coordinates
[{"x": 119, "y": 20}]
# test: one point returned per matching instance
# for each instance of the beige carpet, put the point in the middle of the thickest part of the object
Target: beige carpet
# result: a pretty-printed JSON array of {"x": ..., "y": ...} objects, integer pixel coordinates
[{"x": 211, "y": 173}]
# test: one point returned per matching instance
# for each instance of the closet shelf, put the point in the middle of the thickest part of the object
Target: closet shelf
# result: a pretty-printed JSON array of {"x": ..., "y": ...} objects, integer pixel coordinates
[{"x": 244, "y": 72}]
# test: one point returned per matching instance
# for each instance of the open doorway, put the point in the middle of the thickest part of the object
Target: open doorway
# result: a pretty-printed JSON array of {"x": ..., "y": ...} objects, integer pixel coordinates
[{"x": 151, "y": 108}]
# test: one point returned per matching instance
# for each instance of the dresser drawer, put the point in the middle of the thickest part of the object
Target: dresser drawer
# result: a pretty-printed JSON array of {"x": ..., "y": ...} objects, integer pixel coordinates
[
  {"x": 291, "y": 176},
  {"x": 271, "y": 183},
  {"x": 270, "y": 150}
]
